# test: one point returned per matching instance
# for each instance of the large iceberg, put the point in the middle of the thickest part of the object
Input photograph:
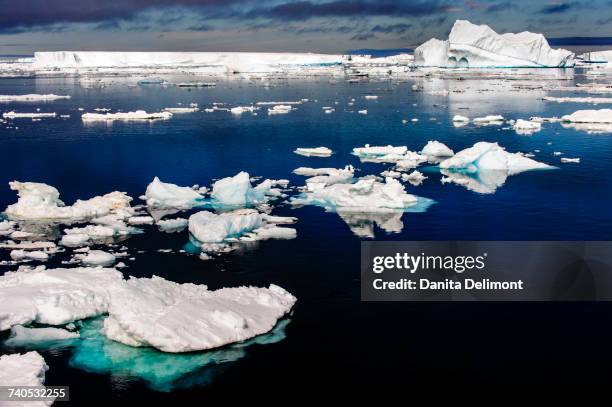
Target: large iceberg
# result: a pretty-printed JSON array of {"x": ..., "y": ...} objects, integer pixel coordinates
[
  {"x": 187, "y": 317},
  {"x": 41, "y": 201},
  {"x": 478, "y": 46},
  {"x": 597, "y": 56}
]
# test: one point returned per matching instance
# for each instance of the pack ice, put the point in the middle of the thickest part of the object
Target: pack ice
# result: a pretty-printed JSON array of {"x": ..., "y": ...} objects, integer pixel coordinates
[
  {"x": 478, "y": 46},
  {"x": 27, "y": 369},
  {"x": 187, "y": 317}
]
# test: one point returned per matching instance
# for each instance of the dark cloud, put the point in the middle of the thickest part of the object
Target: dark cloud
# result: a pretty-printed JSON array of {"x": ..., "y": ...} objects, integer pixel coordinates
[
  {"x": 506, "y": 5},
  {"x": 304, "y": 10},
  {"x": 559, "y": 8},
  {"x": 399, "y": 28},
  {"x": 363, "y": 36}
]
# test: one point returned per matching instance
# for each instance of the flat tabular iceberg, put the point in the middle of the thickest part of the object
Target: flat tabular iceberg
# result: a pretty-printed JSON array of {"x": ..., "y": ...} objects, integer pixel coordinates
[
  {"x": 316, "y": 151},
  {"x": 186, "y": 317},
  {"x": 478, "y": 46},
  {"x": 589, "y": 116},
  {"x": 136, "y": 115},
  {"x": 41, "y": 201},
  {"x": 33, "y": 97}
]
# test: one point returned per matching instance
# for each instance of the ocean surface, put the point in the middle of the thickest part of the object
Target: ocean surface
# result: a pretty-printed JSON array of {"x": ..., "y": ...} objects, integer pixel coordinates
[{"x": 330, "y": 338}]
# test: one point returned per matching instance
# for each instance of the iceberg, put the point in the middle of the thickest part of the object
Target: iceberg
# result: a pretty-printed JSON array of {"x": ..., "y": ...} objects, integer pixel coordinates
[
  {"x": 527, "y": 127},
  {"x": 597, "y": 56},
  {"x": 326, "y": 176},
  {"x": 280, "y": 109},
  {"x": 15, "y": 115},
  {"x": 96, "y": 258},
  {"x": 238, "y": 191},
  {"x": 172, "y": 225},
  {"x": 437, "y": 149},
  {"x": 489, "y": 119},
  {"x": 136, "y": 115},
  {"x": 32, "y": 98},
  {"x": 55, "y": 296},
  {"x": 415, "y": 178},
  {"x": 603, "y": 116},
  {"x": 315, "y": 152},
  {"x": 577, "y": 100},
  {"x": 366, "y": 195},
  {"x": 177, "y": 318},
  {"x": 208, "y": 227},
  {"x": 41, "y": 201},
  {"x": 20, "y": 254},
  {"x": 490, "y": 156},
  {"x": 180, "y": 110},
  {"x": 165, "y": 195},
  {"x": 478, "y": 46},
  {"x": 27, "y": 369}
]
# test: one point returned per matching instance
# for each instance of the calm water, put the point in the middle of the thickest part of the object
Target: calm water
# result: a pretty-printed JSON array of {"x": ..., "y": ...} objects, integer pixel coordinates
[{"x": 331, "y": 337}]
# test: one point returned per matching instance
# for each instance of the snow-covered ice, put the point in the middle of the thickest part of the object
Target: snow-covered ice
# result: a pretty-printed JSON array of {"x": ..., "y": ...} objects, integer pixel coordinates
[
  {"x": 589, "y": 116},
  {"x": 166, "y": 195},
  {"x": 21, "y": 336},
  {"x": 37, "y": 115},
  {"x": 27, "y": 369},
  {"x": 41, "y": 201},
  {"x": 32, "y": 97},
  {"x": 209, "y": 227},
  {"x": 96, "y": 258},
  {"x": 527, "y": 126},
  {"x": 238, "y": 191},
  {"x": 314, "y": 151},
  {"x": 136, "y": 115},
  {"x": 436, "y": 149},
  {"x": 187, "y": 317}
]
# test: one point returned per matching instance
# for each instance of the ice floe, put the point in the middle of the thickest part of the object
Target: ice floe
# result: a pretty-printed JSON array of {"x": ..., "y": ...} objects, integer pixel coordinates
[
  {"x": 489, "y": 119},
  {"x": 96, "y": 258},
  {"x": 578, "y": 100},
  {"x": 41, "y": 201},
  {"x": 314, "y": 152},
  {"x": 326, "y": 176},
  {"x": 136, "y": 115},
  {"x": 180, "y": 110},
  {"x": 33, "y": 97},
  {"x": 175, "y": 317},
  {"x": 27, "y": 369},
  {"x": 209, "y": 227},
  {"x": 238, "y": 191},
  {"x": 478, "y": 46},
  {"x": 527, "y": 127},
  {"x": 15, "y": 115},
  {"x": 21, "y": 336},
  {"x": 166, "y": 195},
  {"x": 589, "y": 116}
]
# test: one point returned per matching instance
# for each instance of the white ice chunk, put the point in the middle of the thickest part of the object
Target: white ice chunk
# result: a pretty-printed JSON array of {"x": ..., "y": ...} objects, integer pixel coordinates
[
  {"x": 172, "y": 225},
  {"x": 237, "y": 190},
  {"x": 20, "y": 254},
  {"x": 27, "y": 369},
  {"x": 165, "y": 195},
  {"x": 489, "y": 119},
  {"x": 527, "y": 126},
  {"x": 186, "y": 317},
  {"x": 41, "y": 201},
  {"x": 96, "y": 258},
  {"x": 56, "y": 296},
  {"x": 316, "y": 151},
  {"x": 589, "y": 116},
  {"x": 15, "y": 115},
  {"x": 22, "y": 336},
  {"x": 208, "y": 227},
  {"x": 136, "y": 115},
  {"x": 437, "y": 149},
  {"x": 33, "y": 97}
]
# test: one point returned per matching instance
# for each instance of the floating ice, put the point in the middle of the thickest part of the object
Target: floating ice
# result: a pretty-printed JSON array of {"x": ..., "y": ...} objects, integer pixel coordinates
[
  {"x": 490, "y": 119},
  {"x": 238, "y": 110},
  {"x": 570, "y": 160},
  {"x": 180, "y": 110},
  {"x": 437, "y": 149},
  {"x": 32, "y": 337},
  {"x": 165, "y": 195},
  {"x": 186, "y": 317},
  {"x": 280, "y": 109},
  {"x": 31, "y": 98},
  {"x": 137, "y": 115},
  {"x": 15, "y": 115},
  {"x": 316, "y": 151},
  {"x": 527, "y": 126},
  {"x": 20, "y": 254},
  {"x": 460, "y": 119},
  {"x": 326, "y": 176},
  {"x": 172, "y": 225},
  {"x": 478, "y": 46},
  {"x": 26, "y": 369},
  {"x": 366, "y": 195},
  {"x": 55, "y": 296},
  {"x": 237, "y": 191},
  {"x": 373, "y": 152},
  {"x": 415, "y": 178},
  {"x": 490, "y": 156},
  {"x": 577, "y": 100},
  {"x": 41, "y": 201},
  {"x": 96, "y": 258},
  {"x": 208, "y": 227},
  {"x": 589, "y": 116},
  {"x": 141, "y": 220}
]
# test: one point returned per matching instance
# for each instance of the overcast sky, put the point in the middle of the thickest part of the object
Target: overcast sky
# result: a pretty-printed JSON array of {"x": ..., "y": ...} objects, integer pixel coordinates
[{"x": 277, "y": 25}]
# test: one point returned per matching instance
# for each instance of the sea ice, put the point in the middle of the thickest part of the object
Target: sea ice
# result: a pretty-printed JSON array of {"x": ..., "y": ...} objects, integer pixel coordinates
[
  {"x": 315, "y": 152},
  {"x": 180, "y": 110},
  {"x": 41, "y": 201},
  {"x": 527, "y": 126},
  {"x": 136, "y": 115},
  {"x": 208, "y": 227},
  {"x": 186, "y": 317},
  {"x": 31, "y": 98},
  {"x": 478, "y": 46},
  {"x": 589, "y": 116},
  {"x": 490, "y": 119},
  {"x": 15, "y": 115},
  {"x": 27, "y": 369},
  {"x": 437, "y": 149},
  {"x": 238, "y": 191},
  {"x": 54, "y": 296},
  {"x": 165, "y": 195},
  {"x": 490, "y": 156},
  {"x": 96, "y": 258},
  {"x": 31, "y": 337},
  {"x": 326, "y": 176},
  {"x": 172, "y": 225}
]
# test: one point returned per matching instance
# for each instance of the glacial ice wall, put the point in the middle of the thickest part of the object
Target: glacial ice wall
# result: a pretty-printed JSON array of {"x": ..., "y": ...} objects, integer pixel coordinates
[
  {"x": 478, "y": 46},
  {"x": 230, "y": 61}
]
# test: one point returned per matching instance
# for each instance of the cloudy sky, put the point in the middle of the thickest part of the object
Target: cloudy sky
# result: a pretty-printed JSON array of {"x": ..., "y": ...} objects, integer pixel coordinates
[{"x": 277, "y": 25}]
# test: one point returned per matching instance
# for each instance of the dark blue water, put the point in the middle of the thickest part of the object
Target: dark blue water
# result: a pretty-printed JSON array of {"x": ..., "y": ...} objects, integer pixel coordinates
[{"x": 331, "y": 337}]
